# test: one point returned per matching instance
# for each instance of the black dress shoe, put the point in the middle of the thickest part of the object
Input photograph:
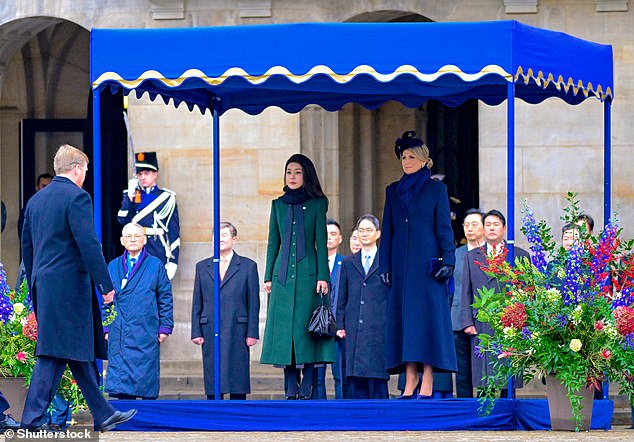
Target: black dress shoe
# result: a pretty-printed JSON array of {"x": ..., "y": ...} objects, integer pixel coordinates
[
  {"x": 117, "y": 418},
  {"x": 405, "y": 396},
  {"x": 8, "y": 423}
]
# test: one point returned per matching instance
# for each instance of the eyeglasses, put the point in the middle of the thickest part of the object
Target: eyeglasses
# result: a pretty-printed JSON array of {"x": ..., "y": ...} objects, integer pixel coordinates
[{"x": 129, "y": 237}]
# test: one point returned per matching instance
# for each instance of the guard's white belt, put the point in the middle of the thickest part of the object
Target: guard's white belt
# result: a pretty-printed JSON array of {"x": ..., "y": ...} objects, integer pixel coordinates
[{"x": 153, "y": 230}]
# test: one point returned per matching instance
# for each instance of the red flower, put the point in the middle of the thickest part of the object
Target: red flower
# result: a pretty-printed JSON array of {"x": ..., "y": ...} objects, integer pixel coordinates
[
  {"x": 624, "y": 320},
  {"x": 599, "y": 325},
  {"x": 21, "y": 356},
  {"x": 30, "y": 328},
  {"x": 514, "y": 316},
  {"x": 606, "y": 354}
]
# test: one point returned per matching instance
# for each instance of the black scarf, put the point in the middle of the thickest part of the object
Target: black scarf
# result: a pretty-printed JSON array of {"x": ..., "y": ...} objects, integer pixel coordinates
[
  {"x": 295, "y": 214},
  {"x": 411, "y": 184}
]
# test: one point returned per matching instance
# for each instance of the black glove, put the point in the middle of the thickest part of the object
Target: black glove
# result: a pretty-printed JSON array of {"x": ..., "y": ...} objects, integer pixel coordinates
[
  {"x": 444, "y": 272},
  {"x": 386, "y": 278}
]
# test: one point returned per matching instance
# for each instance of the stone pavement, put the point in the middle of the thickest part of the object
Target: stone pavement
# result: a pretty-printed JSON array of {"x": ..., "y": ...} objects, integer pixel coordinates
[{"x": 619, "y": 433}]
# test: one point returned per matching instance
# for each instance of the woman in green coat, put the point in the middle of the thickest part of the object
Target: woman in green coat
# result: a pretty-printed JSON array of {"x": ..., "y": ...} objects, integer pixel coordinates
[{"x": 296, "y": 272}]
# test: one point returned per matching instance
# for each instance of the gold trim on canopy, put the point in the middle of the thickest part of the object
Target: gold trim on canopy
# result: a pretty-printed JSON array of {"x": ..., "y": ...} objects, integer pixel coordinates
[{"x": 544, "y": 80}]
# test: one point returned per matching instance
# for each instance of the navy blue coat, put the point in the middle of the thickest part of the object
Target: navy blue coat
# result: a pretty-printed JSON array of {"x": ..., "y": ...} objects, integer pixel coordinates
[
  {"x": 61, "y": 255},
  {"x": 333, "y": 291},
  {"x": 418, "y": 310},
  {"x": 144, "y": 309},
  {"x": 361, "y": 312},
  {"x": 239, "y": 319}
]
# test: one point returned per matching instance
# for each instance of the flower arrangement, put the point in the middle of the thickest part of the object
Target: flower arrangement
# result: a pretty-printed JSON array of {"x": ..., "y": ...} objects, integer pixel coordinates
[
  {"x": 571, "y": 317},
  {"x": 18, "y": 336}
]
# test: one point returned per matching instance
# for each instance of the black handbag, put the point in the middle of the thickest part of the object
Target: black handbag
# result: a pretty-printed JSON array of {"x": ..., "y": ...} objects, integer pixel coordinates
[{"x": 322, "y": 324}]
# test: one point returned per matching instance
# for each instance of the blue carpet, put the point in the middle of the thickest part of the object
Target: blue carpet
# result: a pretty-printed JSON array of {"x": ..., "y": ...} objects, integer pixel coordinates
[{"x": 350, "y": 415}]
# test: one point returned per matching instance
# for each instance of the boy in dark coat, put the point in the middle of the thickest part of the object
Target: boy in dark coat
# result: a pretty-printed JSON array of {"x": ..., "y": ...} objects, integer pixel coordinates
[{"x": 361, "y": 317}]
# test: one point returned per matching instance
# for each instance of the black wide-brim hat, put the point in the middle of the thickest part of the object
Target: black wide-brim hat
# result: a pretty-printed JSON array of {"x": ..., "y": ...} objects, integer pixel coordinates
[
  {"x": 146, "y": 161},
  {"x": 407, "y": 140}
]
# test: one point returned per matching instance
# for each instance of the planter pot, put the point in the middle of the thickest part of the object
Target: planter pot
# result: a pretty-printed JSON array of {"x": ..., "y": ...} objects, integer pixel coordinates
[
  {"x": 15, "y": 392},
  {"x": 560, "y": 409}
]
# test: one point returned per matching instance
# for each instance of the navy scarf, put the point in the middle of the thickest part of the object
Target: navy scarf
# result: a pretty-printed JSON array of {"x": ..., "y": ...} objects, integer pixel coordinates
[
  {"x": 411, "y": 184},
  {"x": 295, "y": 198}
]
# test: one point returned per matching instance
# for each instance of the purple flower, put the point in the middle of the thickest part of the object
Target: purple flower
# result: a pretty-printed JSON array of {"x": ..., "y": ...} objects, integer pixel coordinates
[
  {"x": 6, "y": 308},
  {"x": 526, "y": 333},
  {"x": 625, "y": 299},
  {"x": 477, "y": 351},
  {"x": 538, "y": 257},
  {"x": 562, "y": 320},
  {"x": 570, "y": 289},
  {"x": 4, "y": 287},
  {"x": 628, "y": 341}
]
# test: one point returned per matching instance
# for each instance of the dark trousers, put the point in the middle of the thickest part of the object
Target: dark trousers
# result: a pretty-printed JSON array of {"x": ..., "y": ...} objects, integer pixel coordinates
[
  {"x": 368, "y": 388},
  {"x": 46, "y": 376},
  {"x": 319, "y": 380},
  {"x": 4, "y": 404},
  {"x": 232, "y": 396},
  {"x": 60, "y": 413},
  {"x": 464, "y": 384},
  {"x": 298, "y": 382}
]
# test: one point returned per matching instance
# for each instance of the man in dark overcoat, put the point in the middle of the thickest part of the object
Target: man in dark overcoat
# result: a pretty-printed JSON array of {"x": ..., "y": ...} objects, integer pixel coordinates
[
  {"x": 473, "y": 278},
  {"x": 361, "y": 317},
  {"x": 63, "y": 258},
  {"x": 239, "y": 316},
  {"x": 144, "y": 306}
]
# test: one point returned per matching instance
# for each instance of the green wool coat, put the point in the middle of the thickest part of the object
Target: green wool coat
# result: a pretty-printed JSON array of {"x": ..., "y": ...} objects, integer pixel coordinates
[{"x": 290, "y": 306}]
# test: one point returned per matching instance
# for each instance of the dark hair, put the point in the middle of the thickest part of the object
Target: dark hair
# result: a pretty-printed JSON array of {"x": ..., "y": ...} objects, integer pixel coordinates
[
  {"x": 473, "y": 212},
  {"x": 311, "y": 181},
  {"x": 353, "y": 229},
  {"x": 332, "y": 222},
  {"x": 497, "y": 213},
  {"x": 588, "y": 219},
  {"x": 569, "y": 226},
  {"x": 43, "y": 175},
  {"x": 368, "y": 216},
  {"x": 231, "y": 227}
]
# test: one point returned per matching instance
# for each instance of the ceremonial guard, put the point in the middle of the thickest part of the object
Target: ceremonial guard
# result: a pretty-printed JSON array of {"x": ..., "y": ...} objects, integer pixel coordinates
[{"x": 153, "y": 208}]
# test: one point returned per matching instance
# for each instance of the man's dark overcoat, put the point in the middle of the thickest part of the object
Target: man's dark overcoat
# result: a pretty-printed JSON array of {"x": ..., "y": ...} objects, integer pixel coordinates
[
  {"x": 239, "y": 319},
  {"x": 361, "y": 312},
  {"x": 61, "y": 256}
]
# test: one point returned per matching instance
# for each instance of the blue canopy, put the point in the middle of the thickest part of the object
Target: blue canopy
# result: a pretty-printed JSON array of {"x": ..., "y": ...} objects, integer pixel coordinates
[{"x": 331, "y": 64}]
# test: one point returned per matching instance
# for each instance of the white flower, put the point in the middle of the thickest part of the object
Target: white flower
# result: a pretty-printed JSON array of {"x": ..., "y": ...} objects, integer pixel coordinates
[
  {"x": 18, "y": 308},
  {"x": 575, "y": 345}
]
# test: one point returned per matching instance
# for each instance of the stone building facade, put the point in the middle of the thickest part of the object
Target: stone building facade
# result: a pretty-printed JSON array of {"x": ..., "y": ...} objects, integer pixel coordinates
[{"x": 44, "y": 77}]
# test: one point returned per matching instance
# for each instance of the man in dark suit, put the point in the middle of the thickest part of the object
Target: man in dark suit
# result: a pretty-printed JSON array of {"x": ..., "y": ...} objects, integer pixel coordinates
[
  {"x": 239, "y": 316},
  {"x": 474, "y": 232},
  {"x": 6, "y": 421},
  {"x": 474, "y": 278},
  {"x": 361, "y": 317},
  {"x": 334, "y": 240},
  {"x": 61, "y": 256}
]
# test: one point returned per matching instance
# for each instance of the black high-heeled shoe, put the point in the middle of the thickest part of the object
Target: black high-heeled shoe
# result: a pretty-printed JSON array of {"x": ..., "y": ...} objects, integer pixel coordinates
[
  {"x": 423, "y": 396},
  {"x": 405, "y": 396},
  {"x": 417, "y": 388}
]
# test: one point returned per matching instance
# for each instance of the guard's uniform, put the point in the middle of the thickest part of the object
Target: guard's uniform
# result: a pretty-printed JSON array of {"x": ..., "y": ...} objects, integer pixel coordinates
[{"x": 158, "y": 214}]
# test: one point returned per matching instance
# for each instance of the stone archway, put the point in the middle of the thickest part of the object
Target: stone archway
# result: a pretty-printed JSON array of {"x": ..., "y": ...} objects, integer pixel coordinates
[{"x": 43, "y": 60}]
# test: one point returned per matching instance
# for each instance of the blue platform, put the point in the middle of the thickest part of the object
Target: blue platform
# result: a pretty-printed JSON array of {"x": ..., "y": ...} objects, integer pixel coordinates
[{"x": 346, "y": 415}]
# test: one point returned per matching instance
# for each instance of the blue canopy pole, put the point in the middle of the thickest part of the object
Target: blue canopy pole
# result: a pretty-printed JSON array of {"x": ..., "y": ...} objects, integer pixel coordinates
[
  {"x": 96, "y": 171},
  {"x": 216, "y": 260},
  {"x": 96, "y": 160},
  {"x": 510, "y": 186},
  {"x": 607, "y": 160},
  {"x": 607, "y": 183}
]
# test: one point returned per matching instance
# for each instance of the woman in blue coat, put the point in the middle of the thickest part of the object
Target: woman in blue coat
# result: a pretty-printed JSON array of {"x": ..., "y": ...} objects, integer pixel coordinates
[
  {"x": 144, "y": 319},
  {"x": 416, "y": 260}
]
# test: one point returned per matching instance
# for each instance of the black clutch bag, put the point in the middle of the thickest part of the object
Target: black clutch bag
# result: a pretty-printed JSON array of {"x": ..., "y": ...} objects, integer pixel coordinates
[
  {"x": 434, "y": 265},
  {"x": 322, "y": 324}
]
